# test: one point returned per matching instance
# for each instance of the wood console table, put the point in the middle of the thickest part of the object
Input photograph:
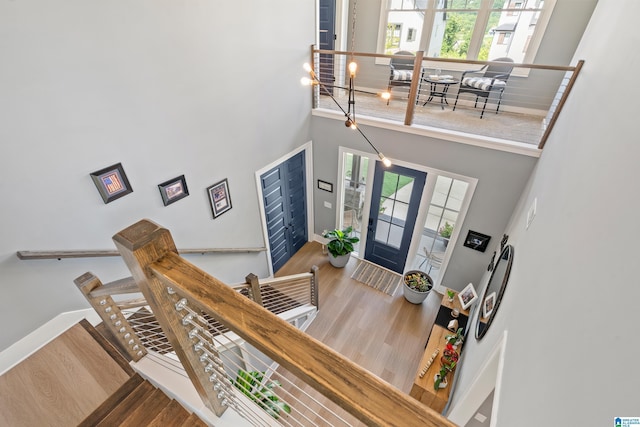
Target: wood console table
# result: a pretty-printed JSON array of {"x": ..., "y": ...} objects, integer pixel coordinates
[{"x": 422, "y": 388}]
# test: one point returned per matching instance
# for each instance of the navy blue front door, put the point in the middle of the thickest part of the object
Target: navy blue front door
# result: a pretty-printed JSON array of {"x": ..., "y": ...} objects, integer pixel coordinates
[
  {"x": 285, "y": 206},
  {"x": 396, "y": 194}
]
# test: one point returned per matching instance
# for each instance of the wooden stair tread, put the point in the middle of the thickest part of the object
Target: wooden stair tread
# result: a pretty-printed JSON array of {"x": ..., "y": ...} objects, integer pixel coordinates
[
  {"x": 139, "y": 403},
  {"x": 107, "y": 406},
  {"x": 194, "y": 421},
  {"x": 147, "y": 409},
  {"x": 68, "y": 378},
  {"x": 173, "y": 415},
  {"x": 124, "y": 408}
]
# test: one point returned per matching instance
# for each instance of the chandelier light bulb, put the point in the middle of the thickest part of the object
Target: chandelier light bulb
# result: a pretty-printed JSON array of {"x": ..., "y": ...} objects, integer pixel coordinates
[
  {"x": 385, "y": 95},
  {"x": 306, "y": 67},
  {"x": 385, "y": 161},
  {"x": 352, "y": 68},
  {"x": 306, "y": 81}
]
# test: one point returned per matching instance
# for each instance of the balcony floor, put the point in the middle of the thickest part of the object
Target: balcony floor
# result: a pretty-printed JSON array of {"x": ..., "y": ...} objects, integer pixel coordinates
[{"x": 506, "y": 125}]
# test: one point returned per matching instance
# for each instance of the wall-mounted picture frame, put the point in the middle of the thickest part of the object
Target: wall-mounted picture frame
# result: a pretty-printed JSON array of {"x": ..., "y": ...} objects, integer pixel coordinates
[
  {"x": 326, "y": 186},
  {"x": 488, "y": 304},
  {"x": 467, "y": 296},
  {"x": 111, "y": 182},
  {"x": 173, "y": 190},
  {"x": 219, "y": 198},
  {"x": 477, "y": 241}
]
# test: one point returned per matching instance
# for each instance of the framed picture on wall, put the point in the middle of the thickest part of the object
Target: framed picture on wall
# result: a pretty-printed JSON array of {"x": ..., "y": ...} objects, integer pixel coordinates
[
  {"x": 219, "y": 198},
  {"x": 467, "y": 296},
  {"x": 173, "y": 190},
  {"x": 111, "y": 182},
  {"x": 477, "y": 241},
  {"x": 489, "y": 303}
]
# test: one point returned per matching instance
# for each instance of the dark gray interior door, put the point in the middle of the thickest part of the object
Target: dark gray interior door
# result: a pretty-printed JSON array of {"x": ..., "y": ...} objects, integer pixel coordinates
[
  {"x": 327, "y": 37},
  {"x": 285, "y": 206},
  {"x": 396, "y": 194}
]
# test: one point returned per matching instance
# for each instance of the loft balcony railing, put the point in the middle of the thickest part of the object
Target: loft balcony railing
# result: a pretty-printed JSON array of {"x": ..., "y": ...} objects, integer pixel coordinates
[
  {"x": 251, "y": 361},
  {"x": 532, "y": 100}
]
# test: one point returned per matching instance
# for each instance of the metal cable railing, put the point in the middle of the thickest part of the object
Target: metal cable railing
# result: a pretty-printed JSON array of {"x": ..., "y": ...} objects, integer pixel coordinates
[
  {"x": 532, "y": 98},
  {"x": 227, "y": 372}
]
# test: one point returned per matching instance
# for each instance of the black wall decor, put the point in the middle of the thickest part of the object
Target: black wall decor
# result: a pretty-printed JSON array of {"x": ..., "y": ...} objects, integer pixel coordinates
[{"x": 477, "y": 241}]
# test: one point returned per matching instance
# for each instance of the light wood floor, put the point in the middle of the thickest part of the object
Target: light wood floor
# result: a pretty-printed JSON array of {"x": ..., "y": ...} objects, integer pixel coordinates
[
  {"x": 384, "y": 334},
  {"x": 60, "y": 384}
]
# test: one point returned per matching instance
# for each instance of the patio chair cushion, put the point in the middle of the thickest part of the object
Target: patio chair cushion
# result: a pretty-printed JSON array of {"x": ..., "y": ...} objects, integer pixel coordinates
[
  {"x": 402, "y": 75},
  {"x": 483, "y": 83}
]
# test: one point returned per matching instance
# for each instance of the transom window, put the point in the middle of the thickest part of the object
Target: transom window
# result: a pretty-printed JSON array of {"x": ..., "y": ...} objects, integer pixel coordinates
[{"x": 465, "y": 29}]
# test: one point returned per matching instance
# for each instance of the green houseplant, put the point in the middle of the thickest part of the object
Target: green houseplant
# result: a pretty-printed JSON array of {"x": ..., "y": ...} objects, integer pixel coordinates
[
  {"x": 340, "y": 245},
  {"x": 446, "y": 230},
  {"x": 417, "y": 285},
  {"x": 252, "y": 385}
]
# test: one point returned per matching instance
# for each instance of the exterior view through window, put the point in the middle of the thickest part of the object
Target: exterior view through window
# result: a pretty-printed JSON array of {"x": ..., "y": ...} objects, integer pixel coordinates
[
  {"x": 464, "y": 29},
  {"x": 445, "y": 210}
]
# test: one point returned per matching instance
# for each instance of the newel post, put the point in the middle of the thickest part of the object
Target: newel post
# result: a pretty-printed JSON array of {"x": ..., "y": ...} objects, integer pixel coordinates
[
  {"x": 253, "y": 281},
  {"x": 141, "y": 245},
  {"x": 111, "y": 316}
]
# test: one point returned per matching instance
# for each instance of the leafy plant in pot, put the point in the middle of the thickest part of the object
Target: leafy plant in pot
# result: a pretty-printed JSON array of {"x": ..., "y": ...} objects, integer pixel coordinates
[
  {"x": 340, "y": 245},
  {"x": 445, "y": 232},
  {"x": 261, "y": 391},
  {"x": 417, "y": 285}
]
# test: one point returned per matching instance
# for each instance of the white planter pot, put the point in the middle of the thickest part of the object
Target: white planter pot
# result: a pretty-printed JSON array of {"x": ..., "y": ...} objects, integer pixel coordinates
[
  {"x": 340, "y": 261},
  {"x": 413, "y": 296}
]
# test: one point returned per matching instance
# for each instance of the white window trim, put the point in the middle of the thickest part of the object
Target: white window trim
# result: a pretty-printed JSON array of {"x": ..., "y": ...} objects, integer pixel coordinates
[
  {"x": 427, "y": 195},
  {"x": 483, "y": 14}
]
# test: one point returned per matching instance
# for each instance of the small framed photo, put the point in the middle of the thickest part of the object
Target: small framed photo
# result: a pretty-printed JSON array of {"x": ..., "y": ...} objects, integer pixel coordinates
[
  {"x": 219, "y": 198},
  {"x": 489, "y": 303},
  {"x": 477, "y": 241},
  {"x": 467, "y": 296},
  {"x": 326, "y": 186},
  {"x": 173, "y": 190},
  {"x": 111, "y": 182}
]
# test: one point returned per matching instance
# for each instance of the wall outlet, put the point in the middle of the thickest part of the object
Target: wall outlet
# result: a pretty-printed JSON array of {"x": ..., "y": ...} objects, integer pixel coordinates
[
  {"x": 480, "y": 418},
  {"x": 327, "y": 205},
  {"x": 532, "y": 212}
]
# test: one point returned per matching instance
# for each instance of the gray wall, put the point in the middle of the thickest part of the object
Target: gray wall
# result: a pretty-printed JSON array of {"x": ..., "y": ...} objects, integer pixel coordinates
[
  {"x": 570, "y": 308},
  {"x": 200, "y": 88},
  {"x": 501, "y": 179}
]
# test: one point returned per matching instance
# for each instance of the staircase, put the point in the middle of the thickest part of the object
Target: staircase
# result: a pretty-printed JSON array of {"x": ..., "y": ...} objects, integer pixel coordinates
[
  {"x": 138, "y": 403},
  {"x": 80, "y": 379}
]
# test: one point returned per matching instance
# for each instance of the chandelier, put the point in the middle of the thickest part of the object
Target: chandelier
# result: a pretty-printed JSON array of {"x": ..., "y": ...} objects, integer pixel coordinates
[{"x": 350, "y": 112}]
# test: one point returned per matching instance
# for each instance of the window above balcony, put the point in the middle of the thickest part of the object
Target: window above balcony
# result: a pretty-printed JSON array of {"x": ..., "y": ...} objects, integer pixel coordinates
[{"x": 464, "y": 29}]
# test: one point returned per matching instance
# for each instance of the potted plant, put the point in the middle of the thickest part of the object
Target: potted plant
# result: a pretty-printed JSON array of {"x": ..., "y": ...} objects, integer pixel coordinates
[
  {"x": 445, "y": 232},
  {"x": 417, "y": 285},
  {"x": 440, "y": 379},
  {"x": 255, "y": 387},
  {"x": 451, "y": 294},
  {"x": 340, "y": 245},
  {"x": 455, "y": 339}
]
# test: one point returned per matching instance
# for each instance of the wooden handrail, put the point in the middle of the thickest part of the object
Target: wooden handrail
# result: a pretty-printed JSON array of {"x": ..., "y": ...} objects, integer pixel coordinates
[
  {"x": 28, "y": 255},
  {"x": 149, "y": 252},
  {"x": 450, "y": 60}
]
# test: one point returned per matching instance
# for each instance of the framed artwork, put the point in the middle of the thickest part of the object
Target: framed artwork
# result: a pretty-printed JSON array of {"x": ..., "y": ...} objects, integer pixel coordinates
[
  {"x": 467, "y": 296},
  {"x": 489, "y": 303},
  {"x": 326, "y": 186},
  {"x": 477, "y": 241},
  {"x": 219, "y": 198},
  {"x": 173, "y": 190},
  {"x": 111, "y": 182}
]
